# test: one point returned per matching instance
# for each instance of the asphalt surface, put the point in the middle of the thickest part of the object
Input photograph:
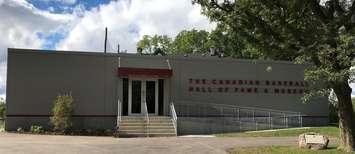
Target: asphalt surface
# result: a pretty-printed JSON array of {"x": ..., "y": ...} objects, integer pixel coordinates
[{"x": 12, "y": 143}]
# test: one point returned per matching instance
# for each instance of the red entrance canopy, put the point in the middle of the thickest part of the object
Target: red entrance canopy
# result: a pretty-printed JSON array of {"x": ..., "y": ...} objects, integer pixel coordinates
[{"x": 149, "y": 72}]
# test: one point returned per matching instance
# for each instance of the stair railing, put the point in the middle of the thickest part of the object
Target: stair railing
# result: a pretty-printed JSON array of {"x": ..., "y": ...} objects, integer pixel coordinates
[
  {"x": 119, "y": 115},
  {"x": 146, "y": 117},
  {"x": 248, "y": 118},
  {"x": 173, "y": 116}
]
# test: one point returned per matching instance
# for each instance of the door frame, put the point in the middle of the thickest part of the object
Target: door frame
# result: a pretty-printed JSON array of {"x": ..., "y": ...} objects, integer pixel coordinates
[{"x": 143, "y": 95}]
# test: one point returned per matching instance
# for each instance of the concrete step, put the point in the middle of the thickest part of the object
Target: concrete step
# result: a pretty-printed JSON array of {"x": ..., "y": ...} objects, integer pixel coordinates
[
  {"x": 143, "y": 124},
  {"x": 140, "y": 126},
  {"x": 127, "y": 131},
  {"x": 143, "y": 127},
  {"x": 135, "y": 126},
  {"x": 147, "y": 135},
  {"x": 143, "y": 120}
]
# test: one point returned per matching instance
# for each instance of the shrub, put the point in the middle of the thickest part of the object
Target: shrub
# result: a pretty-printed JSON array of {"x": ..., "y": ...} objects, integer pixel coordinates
[
  {"x": 2, "y": 108},
  {"x": 20, "y": 130},
  {"x": 62, "y": 111},
  {"x": 36, "y": 129}
]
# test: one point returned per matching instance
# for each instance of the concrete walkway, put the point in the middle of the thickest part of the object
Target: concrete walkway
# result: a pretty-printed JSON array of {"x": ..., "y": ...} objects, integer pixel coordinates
[{"x": 44, "y": 144}]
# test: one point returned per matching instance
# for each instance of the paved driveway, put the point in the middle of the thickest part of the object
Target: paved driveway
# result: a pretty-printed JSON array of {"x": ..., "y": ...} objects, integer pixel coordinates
[{"x": 45, "y": 144}]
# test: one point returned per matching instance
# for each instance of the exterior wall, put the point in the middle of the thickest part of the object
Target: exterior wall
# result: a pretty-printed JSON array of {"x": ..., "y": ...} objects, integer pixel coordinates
[
  {"x": 35, "y": 78},
  {"x": 227, "y": 69},
  {"x": 211, "y": 68}
]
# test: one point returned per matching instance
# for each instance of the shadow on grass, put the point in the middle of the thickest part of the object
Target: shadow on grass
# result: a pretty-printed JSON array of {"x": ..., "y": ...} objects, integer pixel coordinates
[
  {"x": 329, "y": 131},
  {"x": 282, "y": 150}
]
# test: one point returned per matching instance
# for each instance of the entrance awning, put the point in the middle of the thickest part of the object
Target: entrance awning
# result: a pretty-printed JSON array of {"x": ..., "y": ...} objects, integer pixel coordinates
[{"x": 144, "y": 72}]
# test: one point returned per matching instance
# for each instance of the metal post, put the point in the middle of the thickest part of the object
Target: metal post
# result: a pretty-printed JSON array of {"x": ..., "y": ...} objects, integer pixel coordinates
[
  {"x": 286, "y": 123},
  {"x": 240, "y": 126},
  {"x": 300, "y": 119},
  {"x": 270, "y": 121},
  {"x": 254, "y": 120},
  {"x": 238, "y": 114},
  {"x": 105, "y": 46},
  {"x": 253, "y": 115}
]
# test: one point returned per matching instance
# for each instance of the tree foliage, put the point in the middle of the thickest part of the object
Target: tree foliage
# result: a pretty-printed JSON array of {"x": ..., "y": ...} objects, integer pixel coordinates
[
  {"x": 2, "y": 108},
  {"x": 195, "y": 41},
  {"x": 62, "y": 112},
  {"x": 191, "y": 41},
  {"x": 199, "y": 42},
  {"x": 154, "y": 44},
  {"x": 303, "y": 31}
]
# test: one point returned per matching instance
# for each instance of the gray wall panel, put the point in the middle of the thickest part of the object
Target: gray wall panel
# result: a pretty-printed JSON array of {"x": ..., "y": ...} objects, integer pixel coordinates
[{"x": 35, "y": 78}]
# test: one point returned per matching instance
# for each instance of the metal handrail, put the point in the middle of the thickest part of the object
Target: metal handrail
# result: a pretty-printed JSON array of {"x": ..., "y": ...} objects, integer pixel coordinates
[
  {"x": 146, "y": 116},
  {"x": 248, "y": 116},
  {"x": 119, "y": 115},
  {"x": 173, "y": 116},
  {"x": 240, "y": 107}
]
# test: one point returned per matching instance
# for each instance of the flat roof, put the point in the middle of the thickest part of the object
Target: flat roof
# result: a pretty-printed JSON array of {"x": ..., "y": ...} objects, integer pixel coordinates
[{"x": 134, "y": 55}]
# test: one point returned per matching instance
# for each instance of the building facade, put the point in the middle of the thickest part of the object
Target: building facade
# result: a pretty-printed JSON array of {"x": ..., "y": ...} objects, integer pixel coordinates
[{"x": 98, "y": 81}]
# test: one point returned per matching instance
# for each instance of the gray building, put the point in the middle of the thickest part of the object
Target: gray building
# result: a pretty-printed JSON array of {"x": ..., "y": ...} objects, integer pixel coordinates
[{"x": 203, "y": 89}]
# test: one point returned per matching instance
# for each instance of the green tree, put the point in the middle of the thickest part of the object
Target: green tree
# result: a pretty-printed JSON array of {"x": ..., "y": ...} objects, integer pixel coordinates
[
  {"x": 62, "y": 112},
  {"x": 2, "y": 108},
  {"x": 199, "y": 41},
  {"x": 191, "y": 41},
  {"x": 155, "y": 44},
  {"x": 228, "y": 43},
  {"x": 304, "y": 31}
]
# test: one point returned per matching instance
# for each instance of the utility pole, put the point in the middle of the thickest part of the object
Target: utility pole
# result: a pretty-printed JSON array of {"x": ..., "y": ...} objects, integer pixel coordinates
[
  {"x": 105, "y": 39},
  {"x": 118, "y": 48},
  {"x": 104, "y": 65}
]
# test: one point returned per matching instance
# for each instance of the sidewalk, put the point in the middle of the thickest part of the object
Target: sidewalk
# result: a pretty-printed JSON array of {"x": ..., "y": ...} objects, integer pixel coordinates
[{"x": 43, "y": 144}]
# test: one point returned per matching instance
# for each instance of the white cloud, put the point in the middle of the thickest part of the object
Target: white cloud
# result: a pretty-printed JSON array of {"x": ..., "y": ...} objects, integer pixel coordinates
[
  {"x": 19, "y": 28},
  {"x": 128, "y": 21}
]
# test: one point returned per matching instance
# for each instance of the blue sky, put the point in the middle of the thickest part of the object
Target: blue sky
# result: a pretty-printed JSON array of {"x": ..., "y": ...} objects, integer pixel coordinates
[
  {"x": 78, "y": 25},
  {"x": 66, "y": 6},
  {"x": 62, "y": 7}
]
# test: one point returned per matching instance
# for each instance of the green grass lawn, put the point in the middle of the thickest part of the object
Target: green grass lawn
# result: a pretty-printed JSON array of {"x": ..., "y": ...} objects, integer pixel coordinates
[
  {"x": 282, "y": 150},
  {"x": 330, "y": 131}
]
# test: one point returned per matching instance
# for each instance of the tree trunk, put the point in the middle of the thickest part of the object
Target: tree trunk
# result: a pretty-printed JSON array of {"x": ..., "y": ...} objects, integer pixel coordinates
[{"x": 346, "y": 118}]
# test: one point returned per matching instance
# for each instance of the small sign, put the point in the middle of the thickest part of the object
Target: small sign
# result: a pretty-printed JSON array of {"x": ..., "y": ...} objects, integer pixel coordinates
[{"x": 314, "y": 139}]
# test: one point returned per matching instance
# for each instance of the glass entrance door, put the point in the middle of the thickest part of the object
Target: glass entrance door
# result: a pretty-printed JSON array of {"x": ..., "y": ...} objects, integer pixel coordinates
[
  {"x": 151, "y": 96},
  {"x": 140, "y": 91},
  {"x": 136, "y": 98}
]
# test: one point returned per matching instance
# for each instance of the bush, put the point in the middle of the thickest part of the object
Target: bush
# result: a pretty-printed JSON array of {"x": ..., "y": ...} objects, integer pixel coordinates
[
  {"x": 36, "y": 129},
  {"x": 2, "y": 108},
  {"x": 20, "y": 130},
  {"x": 62, "y": 111}
]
